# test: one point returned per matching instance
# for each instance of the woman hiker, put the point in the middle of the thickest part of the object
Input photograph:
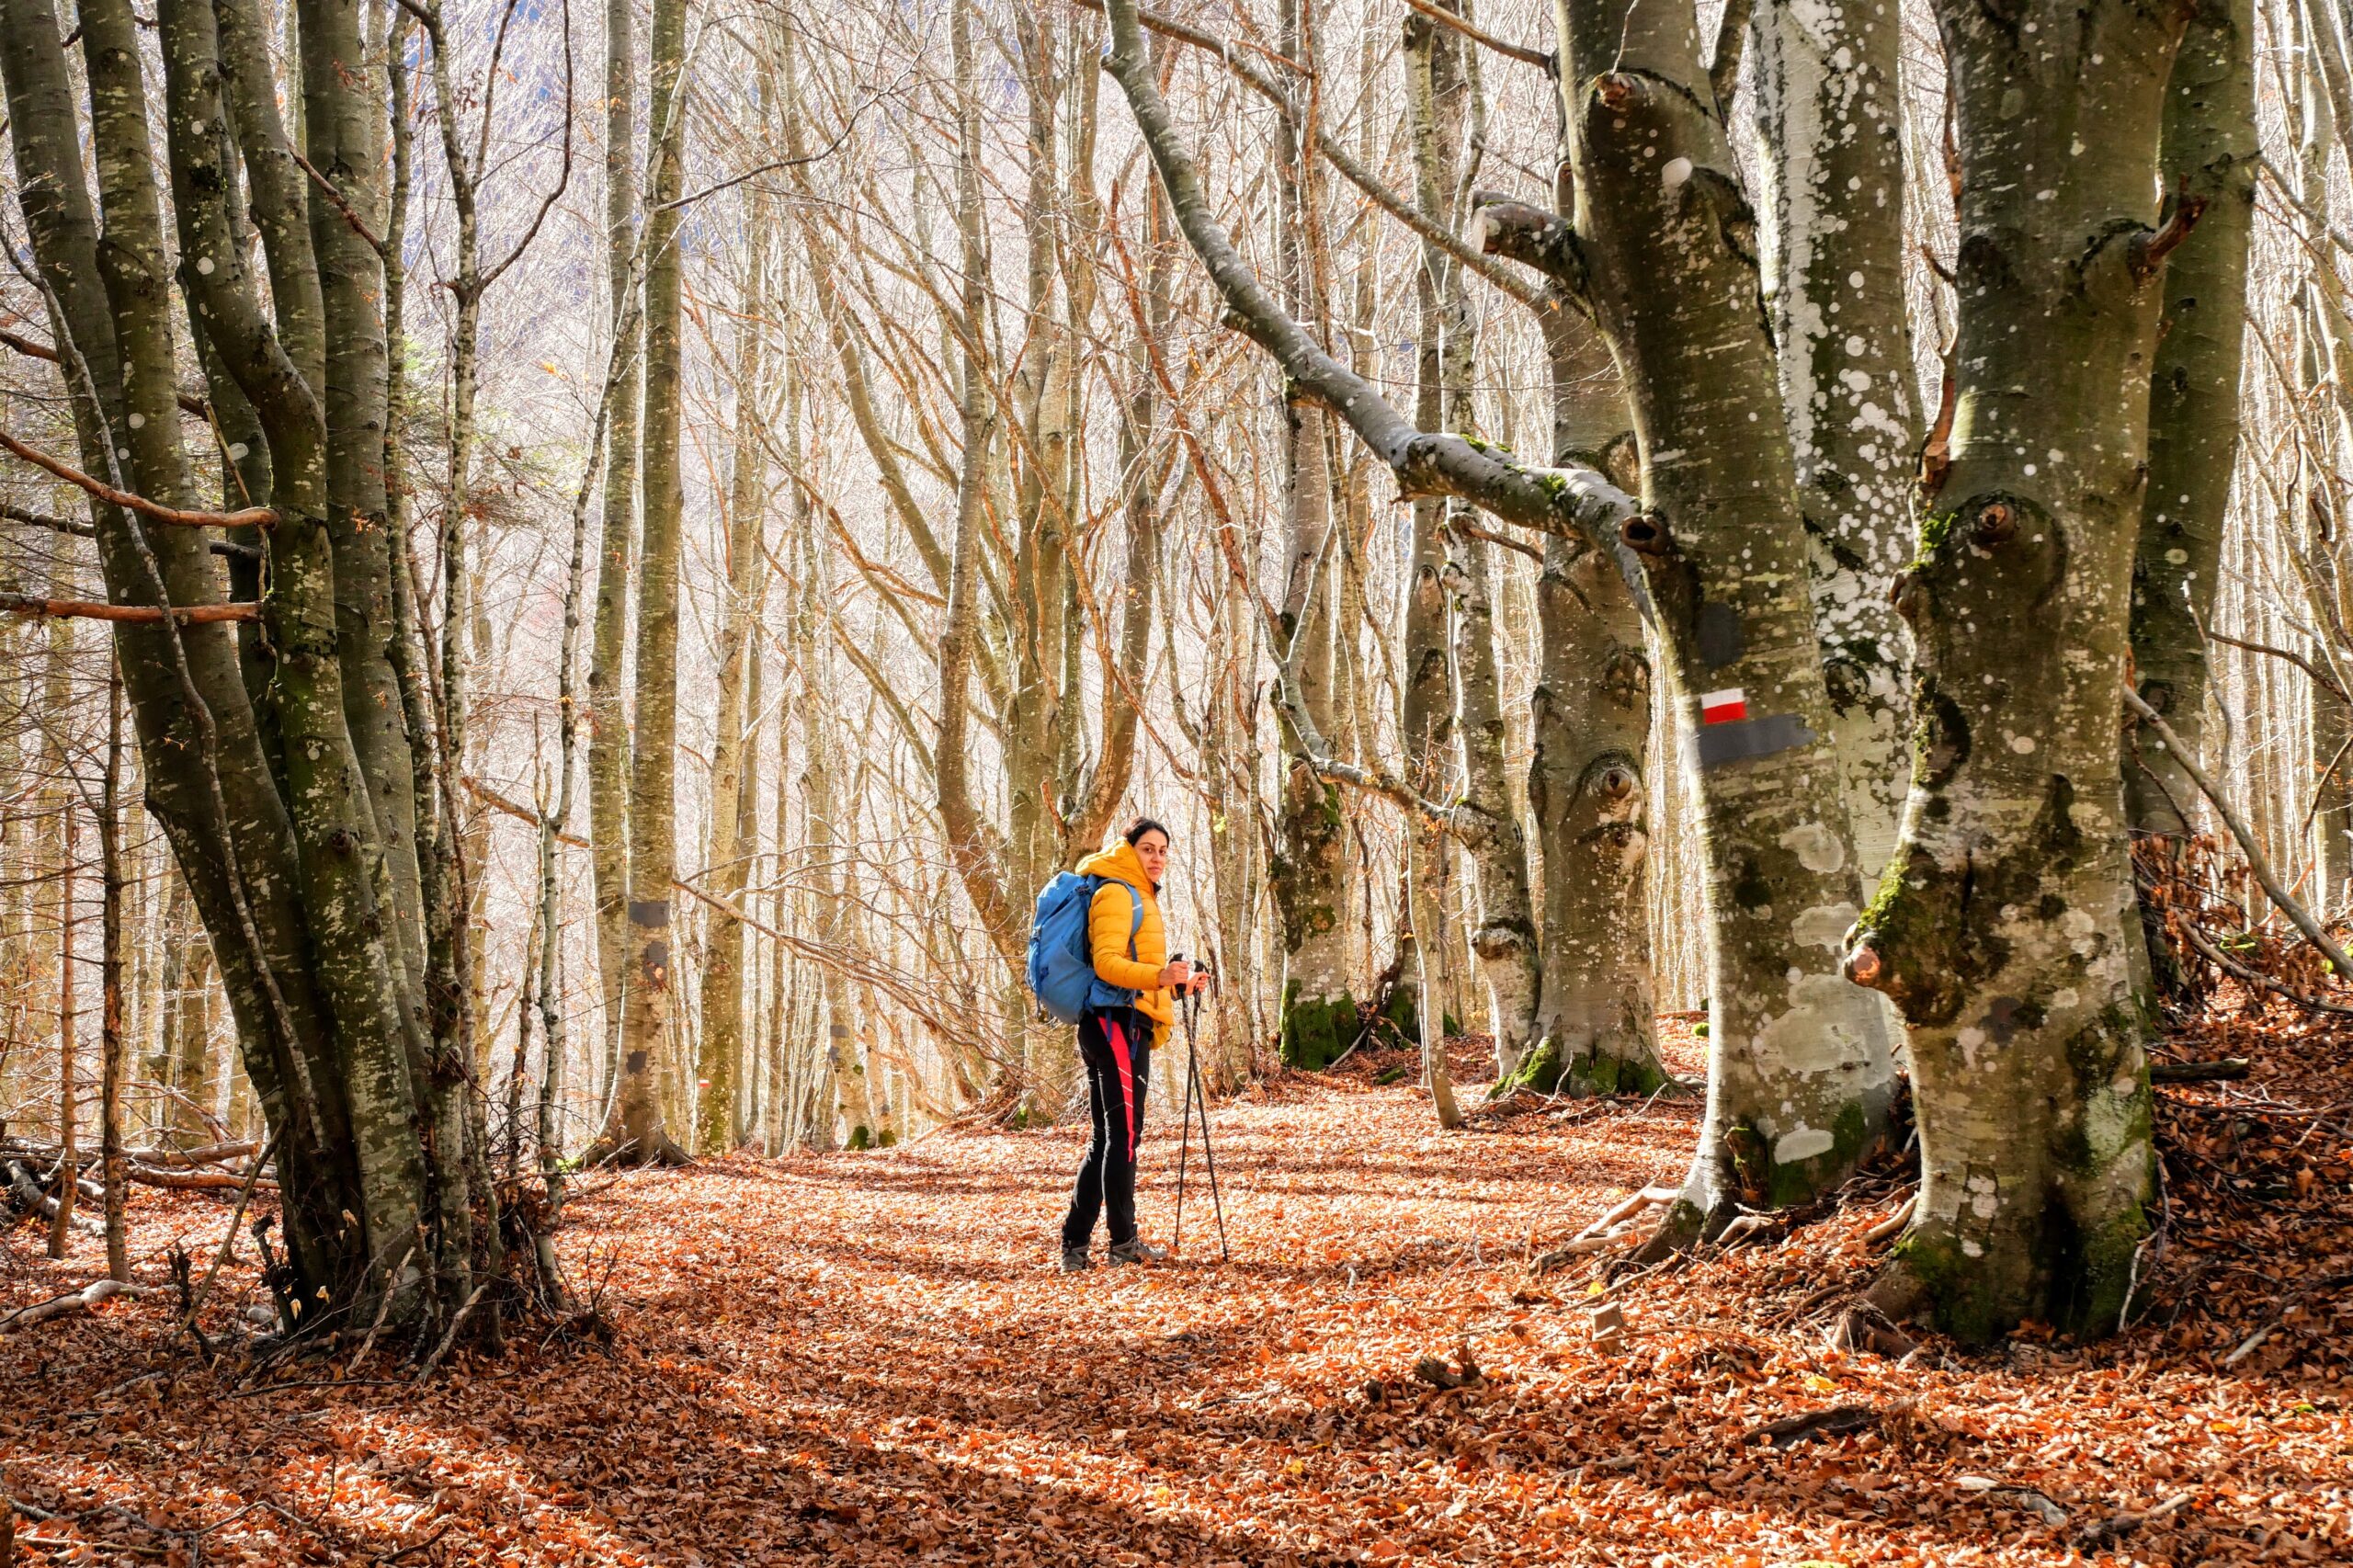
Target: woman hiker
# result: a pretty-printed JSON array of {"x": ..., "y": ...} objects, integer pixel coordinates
[{"x": 1115, "y": 1041}]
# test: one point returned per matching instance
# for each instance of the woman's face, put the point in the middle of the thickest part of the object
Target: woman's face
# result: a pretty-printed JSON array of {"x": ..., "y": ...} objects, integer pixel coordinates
[{"x": 1152, "y": 850}]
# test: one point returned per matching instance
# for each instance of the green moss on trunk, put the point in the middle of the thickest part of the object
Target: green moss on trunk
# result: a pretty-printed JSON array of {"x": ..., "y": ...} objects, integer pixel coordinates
[{"x": 1316, "y": 1029}]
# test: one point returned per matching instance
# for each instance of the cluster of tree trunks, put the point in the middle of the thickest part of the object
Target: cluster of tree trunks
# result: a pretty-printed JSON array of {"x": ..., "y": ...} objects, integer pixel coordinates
[
  {"x": 1837, "y": 598},
  {"x": 294, "y": 759}
]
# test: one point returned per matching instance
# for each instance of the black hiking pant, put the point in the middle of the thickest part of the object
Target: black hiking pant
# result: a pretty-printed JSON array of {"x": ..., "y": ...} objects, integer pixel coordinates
[{"x": 1115, "y": 1046}]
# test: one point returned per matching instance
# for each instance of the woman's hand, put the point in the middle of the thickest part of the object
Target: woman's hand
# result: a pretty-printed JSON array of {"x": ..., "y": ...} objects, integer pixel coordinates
[
  {"x": 1176, "y": 977},
  {"x": 1201, "y": 981}
]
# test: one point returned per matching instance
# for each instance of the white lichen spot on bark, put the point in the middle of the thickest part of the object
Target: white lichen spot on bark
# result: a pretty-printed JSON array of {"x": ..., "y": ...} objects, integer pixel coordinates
[
  {"x": 1825, "y": 925},
  {"x": 1817, "y": 848}
]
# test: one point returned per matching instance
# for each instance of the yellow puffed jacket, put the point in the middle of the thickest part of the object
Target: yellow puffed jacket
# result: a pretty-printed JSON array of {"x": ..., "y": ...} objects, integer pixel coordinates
[{"x": 1107, "y": 933}]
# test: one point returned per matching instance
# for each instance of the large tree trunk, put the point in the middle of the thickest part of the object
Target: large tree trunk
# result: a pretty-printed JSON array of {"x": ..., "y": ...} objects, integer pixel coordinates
[
  {"x": 1595, "y": 1032},
  {"x": 637, "y": 1131},
  {"x": 975, "y": 848},
  {"x": 2209, "y": 154},
  {"x": 1447, "y": 115},
  {"x": 1435, "y": 90},
  {"x": 2005, "y": 927},
  {"x": 1590, "y": 721},
  {"x": 298, "y": 853},
  {"x": 1799, "y": 1072},
  {"x": 608, "y": 738},
  {"x": 1504, "y": 935},
  {"x": 328, "y": 618},
  {"x": 1037, "y": 720},
  {"x": 732, "y": 831},
  {"x": 1319, "y": 1015}
]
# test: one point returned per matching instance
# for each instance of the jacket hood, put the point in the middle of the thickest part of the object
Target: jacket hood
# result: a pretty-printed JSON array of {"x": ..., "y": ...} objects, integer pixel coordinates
[{"x": 1122, "y": 864}]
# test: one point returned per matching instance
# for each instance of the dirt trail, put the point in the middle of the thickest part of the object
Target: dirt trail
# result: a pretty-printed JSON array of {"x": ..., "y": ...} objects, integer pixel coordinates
[{"x": 869, "y": 1357}]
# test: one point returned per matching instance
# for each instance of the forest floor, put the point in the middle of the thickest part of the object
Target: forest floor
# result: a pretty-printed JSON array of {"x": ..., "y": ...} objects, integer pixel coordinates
[{"x": 870, "y": 1358}]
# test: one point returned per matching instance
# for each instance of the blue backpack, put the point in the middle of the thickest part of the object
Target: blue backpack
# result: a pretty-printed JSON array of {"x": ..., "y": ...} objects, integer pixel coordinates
[{"x": 1061, "y": 958}]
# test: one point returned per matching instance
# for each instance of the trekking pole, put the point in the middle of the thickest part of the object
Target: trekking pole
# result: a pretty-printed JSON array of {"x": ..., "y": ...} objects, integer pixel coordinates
[
  {"x": 1184, "y": 1145},
  {"x": 1197, "y": 1095}
]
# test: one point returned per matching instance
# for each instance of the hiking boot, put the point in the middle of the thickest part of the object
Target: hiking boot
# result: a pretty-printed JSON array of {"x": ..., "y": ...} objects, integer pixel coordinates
[
  {"x": 1073, "y": 1260},
  {"x": 1137, "y": 1251}
]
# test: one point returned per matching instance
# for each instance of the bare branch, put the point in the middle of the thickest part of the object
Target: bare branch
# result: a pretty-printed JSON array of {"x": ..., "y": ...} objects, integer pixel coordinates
[
  {"x": 350, "y": 214},
  {"x": 2150, "y": 251},
  {"x": 250, "y": 518},
  {"x": 227, "y": 547},
  {"x": 1338, "y": 156},
  {"x": 563, "y": 179},
  {"x": 137, "y": 615},
  {"x": 1570, "y": 502},
  {"x": 1472, "y": 530},
  {"x": 31, "y": 349},
  {"x": 1526, "y": 56},
  {"x": 1530, "y": 235}
]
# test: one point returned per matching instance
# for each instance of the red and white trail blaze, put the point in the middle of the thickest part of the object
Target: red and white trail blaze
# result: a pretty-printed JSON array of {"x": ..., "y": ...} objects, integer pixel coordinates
[{"x": 1723, "y": 707}]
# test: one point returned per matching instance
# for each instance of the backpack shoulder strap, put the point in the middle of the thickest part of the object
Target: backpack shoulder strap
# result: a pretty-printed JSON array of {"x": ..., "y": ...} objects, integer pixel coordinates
[{"x": 1135, "y": 917}]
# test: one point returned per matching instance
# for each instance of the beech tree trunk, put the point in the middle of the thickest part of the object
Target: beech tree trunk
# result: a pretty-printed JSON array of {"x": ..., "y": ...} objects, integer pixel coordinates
[
  {"x": 1828, "y": 107},
  {"x": 732, "y": 832},
  {"x": 292, "y": 824},
  {"x": 2209, "y": 154},
  {"x": 1800, "y": 1072},
  {"x": 637, "y": 1129},
  {"x": 608, "y": 738},
  {"x": 1590, "y": 712},
  {"x": 2005, "y": 927}
]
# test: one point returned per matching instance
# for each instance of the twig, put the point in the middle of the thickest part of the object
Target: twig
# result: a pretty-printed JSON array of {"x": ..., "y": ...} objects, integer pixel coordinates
[
  {"x": 2229, "y": 965},
  {"x": 383, "y": 1310},
  {"x": 321, "y": 1383},
  {"x": 350, "y": 214},
  {"x": 2198, "y": 1071},
  {"x": 2320, "y": 679},
  {"x": 1892, "y": 1223},
  {"x": 2255, "y": 1341},
  {"x": 196, "y": 1298},
  {"x": 450, "y": 1337}
]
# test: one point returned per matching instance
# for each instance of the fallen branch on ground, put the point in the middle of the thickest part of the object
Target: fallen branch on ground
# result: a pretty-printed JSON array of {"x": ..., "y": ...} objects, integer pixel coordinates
[
  {"x": 25, "y": 1188},
  {"x": 2254, "y": 1342},
  {"x": 67, "y": 1305},
  {"x": 1836, "y": 1421},
  {"x": 2198, "y": 1071},
  {"x": 193, "y": 1181}
]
